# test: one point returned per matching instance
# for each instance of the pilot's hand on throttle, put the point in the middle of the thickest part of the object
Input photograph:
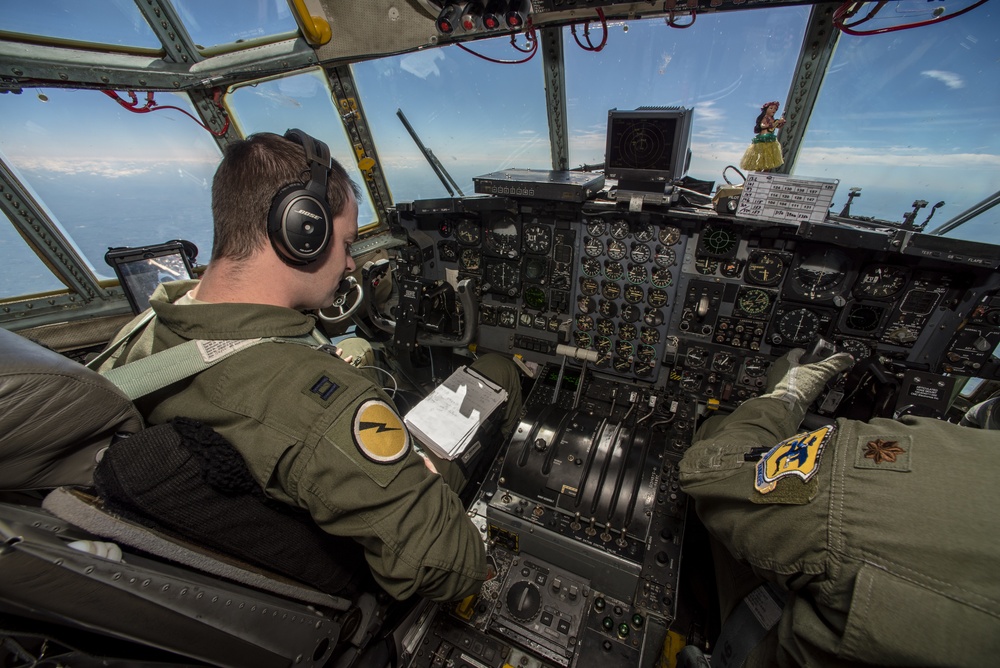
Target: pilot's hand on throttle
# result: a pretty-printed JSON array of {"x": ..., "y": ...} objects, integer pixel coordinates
[
  {"x": 798, "y": 384},
  {"x": 349, "y": 359}
]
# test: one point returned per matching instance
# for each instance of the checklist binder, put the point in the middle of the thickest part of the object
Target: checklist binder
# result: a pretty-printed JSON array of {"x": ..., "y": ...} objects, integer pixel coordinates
[{"x": 446, "y": 421}]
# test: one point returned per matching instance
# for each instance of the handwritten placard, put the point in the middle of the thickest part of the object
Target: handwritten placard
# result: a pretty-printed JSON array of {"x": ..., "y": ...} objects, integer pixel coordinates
[{"x": 786, "y": 199}]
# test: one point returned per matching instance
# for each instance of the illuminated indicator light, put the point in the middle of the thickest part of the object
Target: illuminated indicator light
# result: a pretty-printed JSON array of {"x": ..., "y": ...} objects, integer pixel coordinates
[{"x": 491, "y": 22}]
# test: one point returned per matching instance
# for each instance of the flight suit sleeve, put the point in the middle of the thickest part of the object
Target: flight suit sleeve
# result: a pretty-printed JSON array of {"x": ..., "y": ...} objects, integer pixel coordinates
[{"x": 364, "y": 480}]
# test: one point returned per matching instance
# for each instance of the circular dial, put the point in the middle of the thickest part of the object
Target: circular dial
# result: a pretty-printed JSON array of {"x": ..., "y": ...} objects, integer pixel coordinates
[
  {"x": 469, "y": 259},
  {"x": 605, "y": 328},
  {"x": 633, "y": 294},
  {"x": 593, "y": 247},
  {"x": 523, "y": 601},
  {"x": 503, "y": 239},
  {"x": 534, "y": 297},
  {"x": 507, "y": 317},
  {"x": 881, "y": 281},
  {"x": 636, "y": 274},
  {"x": 596, "y": 227},
  {"x": 645, "y": 232},
  {"x": 656, "y": 298},
  {"x": 646, "y": 354},
  {"x": 705, "y": 265},
  {"x": 755, "y": 367},
  {"x": 588, "y": 286},
  {"x": 653, "y": 317},
  {"x": 731, "y": 268},
  {"x": 468, "y": 232},
  {"x": 798, "y": 326},
  {"x": 525, "y": 319},
  {"x": 610, "y": 289},
  {"x": 445, "y": 229},
  {"x": 447, "y": 251},
  {"x": 696, "y": 357},
  {"x": 602, "y": 344},
  {"x": 620, "y": 228},
  {"x": 665, "y": 257},
  {"x": 820, "y": 274},
  {"x": 591, "y": 267},
  {"x": 582, "y": 339},
  {"x": 724, "y": 362},
  {"x": 534, "y": 268},
  {"x": 753, "y": 301},
  {"x": 649, "y": 336},
  {"x": 502, "y": 278},
  {"x": 617, "y": 249},
  {"x": 627, "y": 332},
  {"x": 630, "y": 313},
  {"x": 614, "y": 270},
  {"x": 859, "y": 350},
  {"x": 764, "y": 268},
  {"x": 640, "y": 253},
  {"x": 863, "y": 318},
  {"x": 624, "y": 349},
  {"x": 584, "y": 323},
  {"x": 586, "y": 304},
  {"x": 662, "y": 277},
  {"x": 622, "y": 364},
  {"x": 537, "y": 239},
  {"x": 670, "y": 235},
  {"x": 718, "y": 241},
  {"x": 607, "y": 308}
]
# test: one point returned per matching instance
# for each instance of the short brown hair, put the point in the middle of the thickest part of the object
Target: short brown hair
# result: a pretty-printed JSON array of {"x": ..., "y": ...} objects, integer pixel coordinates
[{"x": 251, "y": 173}]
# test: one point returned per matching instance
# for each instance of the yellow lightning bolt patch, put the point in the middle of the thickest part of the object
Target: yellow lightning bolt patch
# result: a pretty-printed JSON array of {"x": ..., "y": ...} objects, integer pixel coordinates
[{"x": 379, "y": 434}]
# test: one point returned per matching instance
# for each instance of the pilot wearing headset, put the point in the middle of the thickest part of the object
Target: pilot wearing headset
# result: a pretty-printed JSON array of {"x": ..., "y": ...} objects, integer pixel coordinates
[
  {"x": 877, "y": 542},
  {"x": 315, "y": 432}
]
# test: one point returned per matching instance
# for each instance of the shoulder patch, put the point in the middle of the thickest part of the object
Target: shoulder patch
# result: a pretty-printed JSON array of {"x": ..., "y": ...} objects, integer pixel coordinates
[
  {"x": 795, "y": 456},
  {"x": 379, "y": 433}
]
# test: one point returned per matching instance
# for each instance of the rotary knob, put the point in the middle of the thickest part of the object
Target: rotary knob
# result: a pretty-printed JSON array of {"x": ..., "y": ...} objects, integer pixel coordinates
[{"x": 523, "y": 601}]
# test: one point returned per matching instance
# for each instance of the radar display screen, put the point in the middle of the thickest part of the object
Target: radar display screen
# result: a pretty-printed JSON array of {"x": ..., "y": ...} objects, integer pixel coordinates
[{"x": 648, "y": 145}]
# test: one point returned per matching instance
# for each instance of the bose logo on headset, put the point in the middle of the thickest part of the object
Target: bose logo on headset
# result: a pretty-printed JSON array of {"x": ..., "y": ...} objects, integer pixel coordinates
[{"x": 299, "y": 223}]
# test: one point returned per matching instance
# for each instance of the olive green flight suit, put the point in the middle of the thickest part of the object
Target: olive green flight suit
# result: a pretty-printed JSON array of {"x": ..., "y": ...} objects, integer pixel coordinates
[
  {"x": 319, "y": 434},
  {"x": 891, "y": 552}
]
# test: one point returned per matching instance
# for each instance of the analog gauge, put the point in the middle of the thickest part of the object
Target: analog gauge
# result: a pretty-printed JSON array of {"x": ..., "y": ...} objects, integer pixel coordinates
[
  {"x": 669, "y": 235},
  {"x": 859, "y": 350},
  {"x": 507, "y": 317},
  {"x": 488, "y": 315},
  {"x": 620, "y": 228},
  {"x": 503, "y": 239},
  {"x": 646, "y": 354},
  {"x": 447, "y": 251},
  {"x": 731, "y": 268},
  {"x": 603, "y": 361},
  {"x": 584, "y": 323},
  {"x": 653, "y": 317},
  {"x": 502, "y": 279},
  {"x": 631, "y": 313},
  {"x": 596, "y": 227},
  {"x": 696, "y": 357},
  {"x": 755, "y": 367},
  {"x": 764, "y": 268},
  {"x": 586, "y": 304},
  {"x": 591, "y": 267},
  {"x": 553, "y": 324},
  {"x": 717, "y": 241},
  {"x": 624, "y": 349},
  {"x": 617, "y": 249},
  {"x": 753, "y": 301},
  {"x": 636, "y": 274},
  {"x": 535, "y": 268},
  {"x": 605, "y": 327},
  {"x": 469, "y": 259},
  {"x": 593, "y": 247},
  {"x": 798, "y": 326},
  {"x": 724, "y": 362},
  {"x": 607, "y": 308},
  {"x": 649, "y": 336},
  {"x": 633, "y": 294},
  {"x": 627, "y": 332},
  {"x": 610, "y": 289},
  {"x": 602, "y": 344},
  {"x": 881, "y": 281},
  {"x": 582, "y": 339},
  {"x": 656, "y": 298},
  {"x": 534, "y": 297},
  {"x": 622, "y": 364},
  {"x": 525, "y": 319},
  {"x": 863, "y": 317},
  {"x": 444, "y": 229},
  {"x": 690, "y": 382},
  {"x": 640, "y": 253},
  {"x": 662, "y": 277},
  {"x": 537, "y": 239},
  {"x": 819, "y": 275},
  {"x": 614, "y": 270},
  {"x": 588, "y": 286},
  {"x": 645, "y": 232},
  {"x": 665, "y": 257},
  {"x": 706, "y": 266},
  {"x": 468, "y": 232},
  {"x": 540, "y": 322}
]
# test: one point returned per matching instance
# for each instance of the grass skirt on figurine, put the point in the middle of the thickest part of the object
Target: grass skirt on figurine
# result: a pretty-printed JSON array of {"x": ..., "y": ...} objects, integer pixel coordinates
[{"x": 764, "y": 153}]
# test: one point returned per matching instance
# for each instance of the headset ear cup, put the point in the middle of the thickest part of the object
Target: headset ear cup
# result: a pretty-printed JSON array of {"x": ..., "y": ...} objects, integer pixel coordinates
[{"x": 298, "y": 225}]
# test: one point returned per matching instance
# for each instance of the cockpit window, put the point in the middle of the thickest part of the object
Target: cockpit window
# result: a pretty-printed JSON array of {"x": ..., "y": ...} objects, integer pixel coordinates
[
  {"x": 475, "y": 116},
  {"x": 22, "y": 272},
  {"x": 110, "y": 177},
  {"x": 118, "y": 22},
  {"x": 911, "y": 115},
  {"x": 302, "y": 101},
  {"x": 228, "y": 24}
]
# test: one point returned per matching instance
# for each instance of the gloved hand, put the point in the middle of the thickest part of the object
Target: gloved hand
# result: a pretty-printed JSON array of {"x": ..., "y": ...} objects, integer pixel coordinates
[{"x": 797, "y": 384}]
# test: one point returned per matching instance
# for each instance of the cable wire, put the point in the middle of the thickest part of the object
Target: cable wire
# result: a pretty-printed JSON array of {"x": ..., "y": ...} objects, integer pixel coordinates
[{"x": 151, "y": 105}]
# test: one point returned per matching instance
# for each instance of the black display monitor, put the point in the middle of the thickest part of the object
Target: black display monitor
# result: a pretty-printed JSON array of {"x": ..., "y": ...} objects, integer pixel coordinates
[
  {"x": 650, "y": 145},
  {"x": 140, "y": 270}
]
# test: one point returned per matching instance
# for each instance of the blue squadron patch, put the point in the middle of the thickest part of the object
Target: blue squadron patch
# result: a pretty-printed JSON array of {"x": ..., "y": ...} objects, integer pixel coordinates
[
  {"x": 798, "y": 456},
  {"x": 379, "y": 434}
]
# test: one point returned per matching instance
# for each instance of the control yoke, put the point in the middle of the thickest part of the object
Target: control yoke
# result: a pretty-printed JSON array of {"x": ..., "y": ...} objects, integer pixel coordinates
[{"x": 350, "y": 295}]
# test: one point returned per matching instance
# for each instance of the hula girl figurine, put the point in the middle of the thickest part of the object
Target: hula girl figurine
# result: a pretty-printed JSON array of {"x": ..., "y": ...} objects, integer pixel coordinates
[{"x": 764, "y": 152}]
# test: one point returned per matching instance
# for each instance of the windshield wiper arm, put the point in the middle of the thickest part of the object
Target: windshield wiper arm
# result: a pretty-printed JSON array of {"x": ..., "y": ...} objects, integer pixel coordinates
[{"x": 432, "y": 160}]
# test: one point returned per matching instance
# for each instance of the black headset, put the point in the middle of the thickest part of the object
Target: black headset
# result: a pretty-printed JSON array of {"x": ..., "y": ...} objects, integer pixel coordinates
[{"x": 299, "y": 222}]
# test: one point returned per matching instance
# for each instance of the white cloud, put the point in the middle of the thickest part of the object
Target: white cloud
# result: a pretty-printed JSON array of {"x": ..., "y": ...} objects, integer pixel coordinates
[{"x": 949, "y": 79}]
